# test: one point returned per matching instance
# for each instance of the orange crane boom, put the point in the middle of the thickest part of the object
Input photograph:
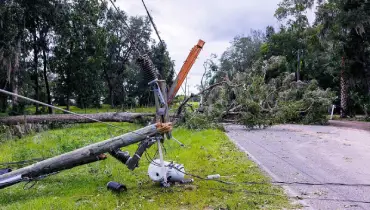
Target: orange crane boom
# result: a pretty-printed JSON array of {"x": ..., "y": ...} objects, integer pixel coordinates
[{"x": 190, "y": 60}]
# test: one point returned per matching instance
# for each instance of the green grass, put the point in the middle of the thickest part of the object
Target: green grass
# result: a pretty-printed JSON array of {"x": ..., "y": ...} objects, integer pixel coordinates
[{"x": 206, "y": 152}]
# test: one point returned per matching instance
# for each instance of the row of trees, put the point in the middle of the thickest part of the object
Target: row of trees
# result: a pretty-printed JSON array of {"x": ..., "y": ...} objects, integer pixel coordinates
[
  {"x": 81, "y": 51},
  {"x": 332, "y": 53}
]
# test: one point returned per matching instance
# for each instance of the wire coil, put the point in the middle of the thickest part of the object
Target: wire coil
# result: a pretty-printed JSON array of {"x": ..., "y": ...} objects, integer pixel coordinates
[{"x": 150, "y": 71}]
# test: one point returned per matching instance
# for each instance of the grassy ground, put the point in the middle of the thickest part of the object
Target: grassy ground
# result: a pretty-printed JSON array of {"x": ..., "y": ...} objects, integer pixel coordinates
[{"x": 206, "y": 152}]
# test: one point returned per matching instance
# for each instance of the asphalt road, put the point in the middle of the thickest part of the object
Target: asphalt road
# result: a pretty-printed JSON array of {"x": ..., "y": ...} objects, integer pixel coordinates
[{"x": 332, "y": 163}]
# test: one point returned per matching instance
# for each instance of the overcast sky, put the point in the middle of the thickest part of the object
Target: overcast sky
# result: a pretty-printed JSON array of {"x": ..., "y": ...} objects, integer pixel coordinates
[{"x": 182, "y": 23}]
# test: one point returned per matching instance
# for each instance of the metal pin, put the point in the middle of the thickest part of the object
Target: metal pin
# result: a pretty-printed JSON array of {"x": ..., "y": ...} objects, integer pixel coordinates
[{"x": 181, "y": 144}]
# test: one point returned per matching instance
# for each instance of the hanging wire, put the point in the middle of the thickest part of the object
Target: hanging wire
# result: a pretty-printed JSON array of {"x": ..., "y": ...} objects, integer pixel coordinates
[
  {"x": 21, "y": 163},
  {"x": 159, "y": 37},
  {"x": 31, "y": 182},
  {"x": 153, "y": 24},
  {"x": 151, "y": 161},
  {"x": 54, "y": 107},
  {"x": 73, "y": 113},
  {"x": 128, "y": 30}
]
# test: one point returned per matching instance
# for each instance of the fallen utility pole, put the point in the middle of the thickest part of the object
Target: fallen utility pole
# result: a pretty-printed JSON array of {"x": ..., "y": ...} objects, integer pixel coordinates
[
  {"x": 88, "y": 154},
  {"x": 71, "y": 118}
]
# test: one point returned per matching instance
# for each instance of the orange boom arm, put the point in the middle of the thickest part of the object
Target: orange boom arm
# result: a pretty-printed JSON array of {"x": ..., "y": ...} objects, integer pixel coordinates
[{"x": 190, "y": 60}]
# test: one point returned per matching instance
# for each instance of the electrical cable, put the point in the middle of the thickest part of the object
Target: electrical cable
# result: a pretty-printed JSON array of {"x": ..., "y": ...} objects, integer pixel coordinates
[
  {"x": 54, "y": 107},
  {"x": 262, "y": 183},
  {"x": 34, "y": 181},
  {"x": 73, "y": 113},
  {"x": 290, "y": 197},
  {"x": 133, "y": 43},
  {"x": 155, "y": 28},
  {"x": 21, "y": 162},
  {"x": 159, "y": 37},
  {"x": 276, "y": 182},
  {"x": 153, "y": 24}
]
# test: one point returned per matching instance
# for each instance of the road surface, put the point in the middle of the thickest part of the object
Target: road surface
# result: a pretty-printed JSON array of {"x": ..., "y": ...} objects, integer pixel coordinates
[{"x": 333, "y": 163}]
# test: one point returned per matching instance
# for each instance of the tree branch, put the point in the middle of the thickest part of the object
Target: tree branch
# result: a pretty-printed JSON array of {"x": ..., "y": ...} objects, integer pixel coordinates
[{"x": 182, "y": 105}]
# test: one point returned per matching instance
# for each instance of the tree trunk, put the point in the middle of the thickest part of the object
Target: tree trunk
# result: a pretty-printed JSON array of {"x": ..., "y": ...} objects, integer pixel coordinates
[
  {"x": 367, "y": 75},
  {"x": 68, "y": 97},
  {"x": 3, "y": 103},
  {"x": 69, "y": 118},
  {"x": 46, "y": 81},
  {"x": 15, "y": 74},
  {"x": 111, "y": 95},
  {"x": 343, "y": 91},
  {"x": 298, "y": 65},
  {"x": 68, "y": 77},
  {"x": 36, "y": 74}
]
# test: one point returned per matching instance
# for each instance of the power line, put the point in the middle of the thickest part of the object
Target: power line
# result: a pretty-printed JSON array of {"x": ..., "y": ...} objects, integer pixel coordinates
[
  {"x": 69, "y": 112},
  {"x": 152, "y": 21},
  {"x": 127, "y": 28},
  {"x": 159, "y": 37},
  {"x": 151, "y": 161},
  {"x": 54, "y": 107}
]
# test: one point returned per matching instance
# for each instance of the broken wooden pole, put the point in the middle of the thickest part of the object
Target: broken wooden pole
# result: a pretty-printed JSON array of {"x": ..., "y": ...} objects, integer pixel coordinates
[
  {"x": 87, "y": 153},
  {"x": 70, "y": 118}
]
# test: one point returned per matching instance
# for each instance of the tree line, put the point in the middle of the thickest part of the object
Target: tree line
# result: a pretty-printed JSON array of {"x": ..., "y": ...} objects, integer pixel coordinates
[
  {"x": 79, "y": 52},
  {"x": 294, "y": 73}
]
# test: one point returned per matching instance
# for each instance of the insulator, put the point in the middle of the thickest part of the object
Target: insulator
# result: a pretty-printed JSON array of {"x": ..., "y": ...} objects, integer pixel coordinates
[
  {"x": 174, "y": 172},
  {"x": 150, "y": 71},
  {"x": 116, "y": 187}
]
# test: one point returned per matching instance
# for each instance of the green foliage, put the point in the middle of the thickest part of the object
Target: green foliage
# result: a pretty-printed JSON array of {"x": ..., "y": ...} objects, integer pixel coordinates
[
  {"x": 199, "y": 121},
  {"x": 303, "y": 102},
  {"x": 260, "y": 102},
  {"x": 255, "y": 118},
  {"x": 84, "y": 187},
  {"x": 262, "y": 84},
  {"x": 75, "y": 53}
]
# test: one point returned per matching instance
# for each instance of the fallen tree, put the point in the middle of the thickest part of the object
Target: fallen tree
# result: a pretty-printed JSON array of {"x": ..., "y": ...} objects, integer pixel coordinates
[
  {"x": 255, "y": 100},
  {"x": 70, "y": 118},
  {"x": 186, "y": 100}
]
